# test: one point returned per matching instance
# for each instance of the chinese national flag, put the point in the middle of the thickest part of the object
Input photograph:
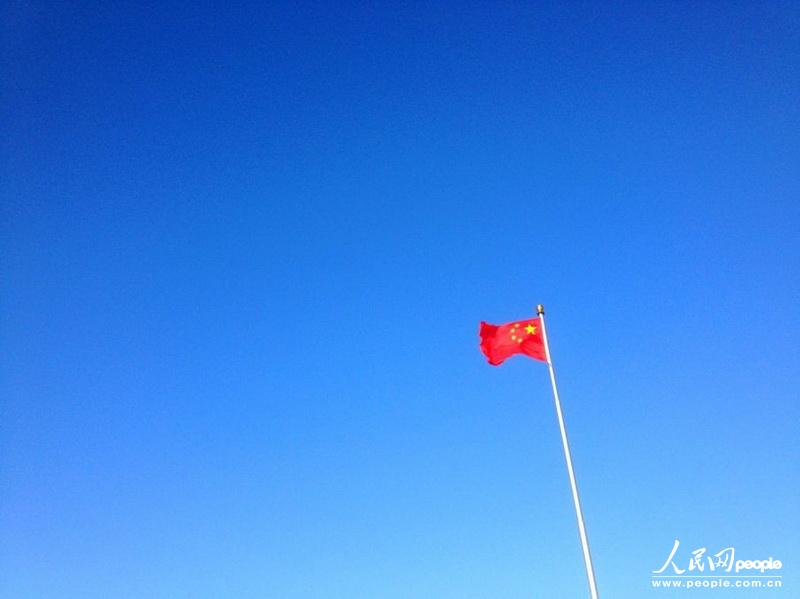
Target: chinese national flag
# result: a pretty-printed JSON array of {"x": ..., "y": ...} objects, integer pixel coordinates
[{"x": 499, "y": 342}]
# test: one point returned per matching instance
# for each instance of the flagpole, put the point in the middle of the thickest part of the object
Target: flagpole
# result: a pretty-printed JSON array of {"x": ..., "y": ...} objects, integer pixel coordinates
[{"x": 587, "y": 556}]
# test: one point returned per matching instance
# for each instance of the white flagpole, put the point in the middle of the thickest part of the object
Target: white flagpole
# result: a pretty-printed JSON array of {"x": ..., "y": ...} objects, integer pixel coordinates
[{"x": 587, "y": 556}]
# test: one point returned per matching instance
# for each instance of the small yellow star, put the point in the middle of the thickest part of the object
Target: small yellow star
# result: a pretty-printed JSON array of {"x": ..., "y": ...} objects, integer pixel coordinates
[
  {"x": 531, "y": 329},
  {"x": 519, "y": 340},
  {"x": 513, "y": 337}
]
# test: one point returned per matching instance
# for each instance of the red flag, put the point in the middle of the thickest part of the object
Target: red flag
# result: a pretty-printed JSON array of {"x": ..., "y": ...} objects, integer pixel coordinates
[{"x": 499, "y": 342}]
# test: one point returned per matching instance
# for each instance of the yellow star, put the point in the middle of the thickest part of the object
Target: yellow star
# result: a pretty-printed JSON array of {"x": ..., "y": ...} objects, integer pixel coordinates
[
  {"x": 513, "y": 337},
  {"x": 531, "y": 329},
  {"x": 519, "y": 340}
]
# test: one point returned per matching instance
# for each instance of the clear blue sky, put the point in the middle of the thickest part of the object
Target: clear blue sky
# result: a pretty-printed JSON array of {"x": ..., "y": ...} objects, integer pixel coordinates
[{"x": 244, "y": 254}]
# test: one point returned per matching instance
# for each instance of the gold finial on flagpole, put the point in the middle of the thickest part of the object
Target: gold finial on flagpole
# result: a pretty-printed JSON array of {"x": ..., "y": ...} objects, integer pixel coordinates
[{"x": 540, "y": 309}]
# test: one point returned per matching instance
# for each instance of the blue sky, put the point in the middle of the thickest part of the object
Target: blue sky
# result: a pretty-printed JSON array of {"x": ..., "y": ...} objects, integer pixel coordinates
[{"x": 244, "y": 251}]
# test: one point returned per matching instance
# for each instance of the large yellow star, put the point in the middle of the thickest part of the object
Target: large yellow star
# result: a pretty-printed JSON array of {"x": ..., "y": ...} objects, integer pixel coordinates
[{"x": 530, "y": 329}]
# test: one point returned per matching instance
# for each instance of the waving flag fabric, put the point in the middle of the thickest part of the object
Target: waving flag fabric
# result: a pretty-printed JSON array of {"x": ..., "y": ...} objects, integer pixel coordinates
[{"x": 499, "y": 342}]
